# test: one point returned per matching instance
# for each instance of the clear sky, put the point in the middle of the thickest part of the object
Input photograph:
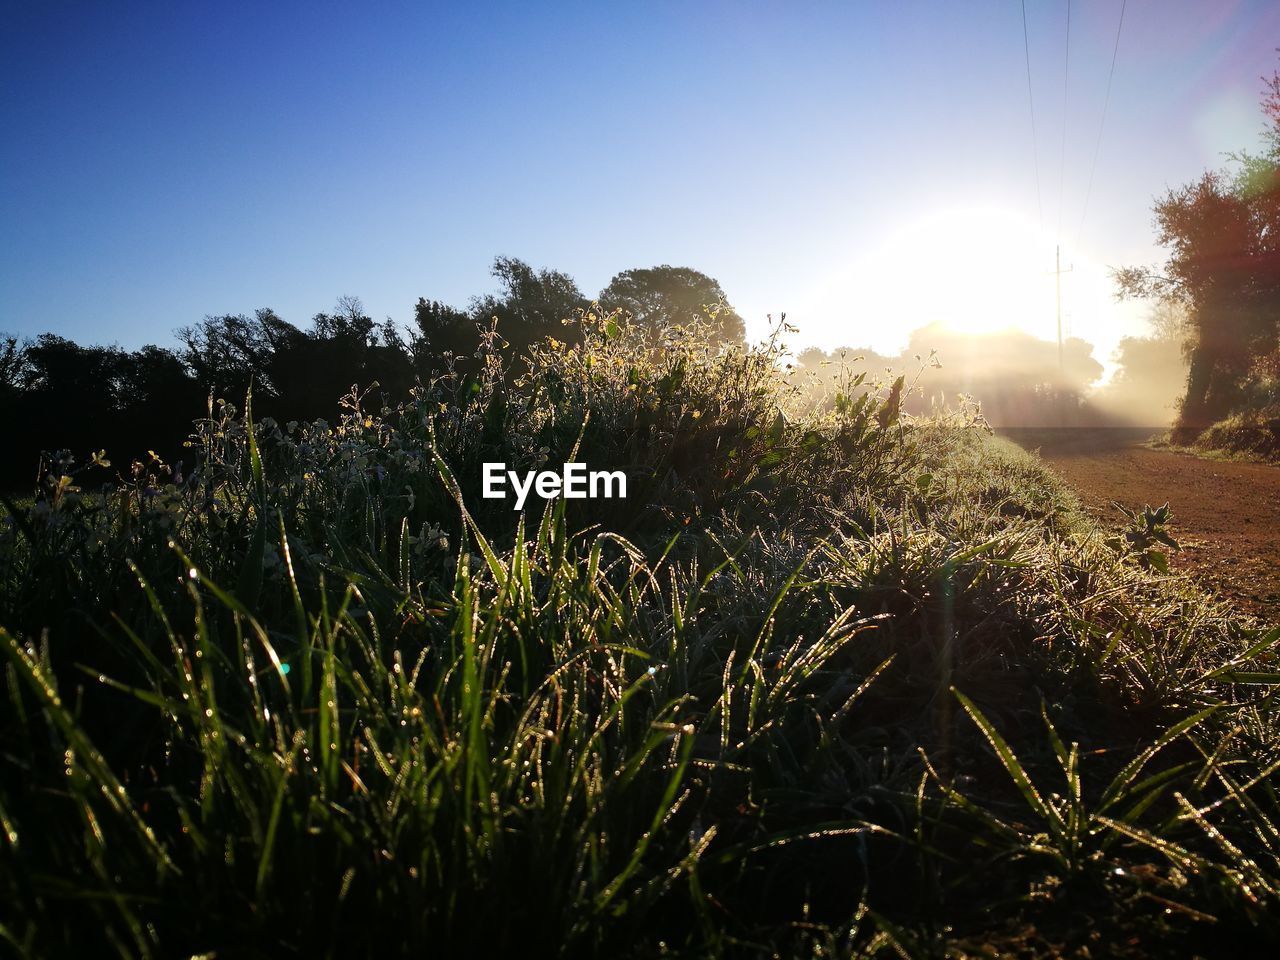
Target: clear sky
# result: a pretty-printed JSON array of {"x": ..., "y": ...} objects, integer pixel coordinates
[{"x": 865, "y": 167}]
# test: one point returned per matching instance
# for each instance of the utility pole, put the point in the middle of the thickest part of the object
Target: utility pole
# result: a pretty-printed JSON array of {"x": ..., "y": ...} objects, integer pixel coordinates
[{"x": 1057, "y": 286}]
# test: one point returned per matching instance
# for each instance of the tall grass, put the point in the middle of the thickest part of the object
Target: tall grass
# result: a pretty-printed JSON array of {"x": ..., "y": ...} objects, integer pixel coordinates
[{"x": 832, "y": 681}]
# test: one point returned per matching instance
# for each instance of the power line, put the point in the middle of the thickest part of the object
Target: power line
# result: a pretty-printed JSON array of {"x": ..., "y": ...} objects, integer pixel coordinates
[
  {"x": 1066, "y": 73},
  {"x": 1115, "y": 50},
  {"x": 1031, "y": 100},
  {"x": 1058, "y": 269}
]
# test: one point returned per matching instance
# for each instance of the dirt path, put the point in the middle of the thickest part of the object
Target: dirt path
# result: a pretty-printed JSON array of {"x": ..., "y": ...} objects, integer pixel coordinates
[{"x": 1226, "y": 514}]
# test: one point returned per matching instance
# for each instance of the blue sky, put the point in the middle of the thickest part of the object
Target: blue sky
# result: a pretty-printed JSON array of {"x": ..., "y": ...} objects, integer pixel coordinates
[{"x": 865, "y": 167}]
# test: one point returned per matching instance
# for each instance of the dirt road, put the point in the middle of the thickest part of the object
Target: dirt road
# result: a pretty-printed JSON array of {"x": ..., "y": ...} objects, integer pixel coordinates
[{"x": 1226, "y": 514}]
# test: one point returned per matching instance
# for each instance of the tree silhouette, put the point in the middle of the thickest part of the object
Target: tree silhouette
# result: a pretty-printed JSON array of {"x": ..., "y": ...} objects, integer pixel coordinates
[
  {"x": 531, "y": 304},
  {"x": 56, "y": 394},
  {"x": 297, "y": 374},
  {"x": 661, "y": 298},
  {"x": 443, "y": 337},
  {"x": 13, "y": 368},
  {"x": 345, "y": 348},
  {"x": 229, "y": 352}
]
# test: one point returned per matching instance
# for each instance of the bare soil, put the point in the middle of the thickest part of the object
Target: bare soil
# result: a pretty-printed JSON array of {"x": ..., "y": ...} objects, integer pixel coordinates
[{"x": 1226, "y": 515}]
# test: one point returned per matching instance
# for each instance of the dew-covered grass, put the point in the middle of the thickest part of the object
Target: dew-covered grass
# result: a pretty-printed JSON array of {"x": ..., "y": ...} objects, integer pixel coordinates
[{"x": 830, "y": 682}]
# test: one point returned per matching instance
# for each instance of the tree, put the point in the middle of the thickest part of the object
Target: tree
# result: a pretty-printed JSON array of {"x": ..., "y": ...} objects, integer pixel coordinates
[
  {"x": 347, "y": 324},
  {"x": 1222, "y": 233},
  {"x": 442, "y": 337},
  {"x": 662, "y": 298},
  {"x": 531, "y": 304},
  {"x": 153, "y": 381},
  {"x": 228, "y": 352},
  {"x": 70, "y": 399},
  {"x": 344, "y": 348},
  {"x": 297, "y": 374},
  {"x": 14, "y": 368},
  {"x": 1169, "y": 322},
  {"x": 1152, "y": 370}
]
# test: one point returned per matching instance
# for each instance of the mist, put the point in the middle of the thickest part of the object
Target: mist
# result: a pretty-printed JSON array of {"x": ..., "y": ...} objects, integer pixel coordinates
[{"x": 1017, "y": 380}]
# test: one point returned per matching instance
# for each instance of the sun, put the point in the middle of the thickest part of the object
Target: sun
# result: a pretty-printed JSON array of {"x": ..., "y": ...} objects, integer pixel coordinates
[{"x": 974, "y": 270}]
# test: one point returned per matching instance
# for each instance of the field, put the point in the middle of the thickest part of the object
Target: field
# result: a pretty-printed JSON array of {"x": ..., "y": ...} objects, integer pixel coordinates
[{"x": 831, "y": 681}]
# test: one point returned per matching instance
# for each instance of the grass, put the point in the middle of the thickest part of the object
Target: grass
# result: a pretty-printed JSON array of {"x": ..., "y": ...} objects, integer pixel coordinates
[
  {"x": 830, "y": 682},
  {"x": 1251, "y": 434},
  {"x": 1221, "y": 454}
]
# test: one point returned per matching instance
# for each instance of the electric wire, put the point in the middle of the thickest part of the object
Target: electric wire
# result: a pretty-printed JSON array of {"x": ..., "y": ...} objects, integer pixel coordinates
[
  {"x": 1106, "y": 102},
  {"x": 1031, "y": 100},
  {"x": 1062, "y": 163}
]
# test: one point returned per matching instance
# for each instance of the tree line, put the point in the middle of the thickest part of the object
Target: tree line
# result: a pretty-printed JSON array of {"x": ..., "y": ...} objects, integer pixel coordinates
[{"x": 57, "y": 394}]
